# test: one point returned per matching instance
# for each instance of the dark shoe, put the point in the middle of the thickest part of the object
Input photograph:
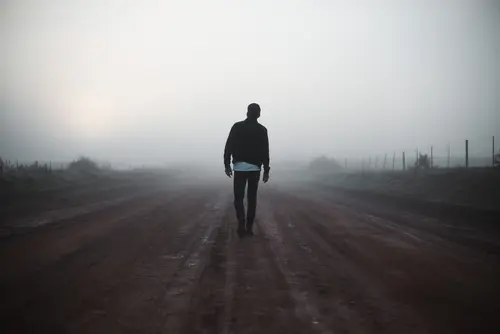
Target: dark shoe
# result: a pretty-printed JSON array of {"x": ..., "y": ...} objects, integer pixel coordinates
[
  {"x": 249, "y": 229},
  {"x": 241, "y": 230}
]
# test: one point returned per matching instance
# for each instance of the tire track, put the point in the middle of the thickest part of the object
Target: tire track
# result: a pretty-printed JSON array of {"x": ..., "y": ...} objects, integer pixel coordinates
[
  {"x": 230, "y": 283},
  {"x": 306, "y": 308},
  {"x": 210, "y": 301},
  {"x": 82, "y": 291},
  {"x": 48, "y": 253},
  {"x": 386, "y": 281},
  {"x": 241, "y": 290},
  {"x": 262, "y": 298},
  {"x": 179, "y": 292},
  {"x": 403, "y": 269},
  {"x": 355, "y": 303},
  {"x": 376, "y": 300},
  {"x": 142, "y": 295}
]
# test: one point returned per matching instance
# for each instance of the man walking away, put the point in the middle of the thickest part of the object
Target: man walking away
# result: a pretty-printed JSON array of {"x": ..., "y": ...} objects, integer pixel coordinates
[{"x": 248, "y": 144}]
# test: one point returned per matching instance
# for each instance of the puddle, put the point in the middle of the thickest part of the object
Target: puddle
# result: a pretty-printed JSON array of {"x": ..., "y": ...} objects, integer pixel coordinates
[{"x": 173, "y": 257}]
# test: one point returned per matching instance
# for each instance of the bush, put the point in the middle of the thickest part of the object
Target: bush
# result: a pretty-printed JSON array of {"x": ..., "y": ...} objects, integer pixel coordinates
[
  {"x": 423, "y": 162},
  {"x": 324, "y": 165},
  {"x": 83, "y": 165}
]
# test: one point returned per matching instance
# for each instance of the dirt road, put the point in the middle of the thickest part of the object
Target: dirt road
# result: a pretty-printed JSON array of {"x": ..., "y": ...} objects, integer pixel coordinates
[{"x": 321, "y": 262}]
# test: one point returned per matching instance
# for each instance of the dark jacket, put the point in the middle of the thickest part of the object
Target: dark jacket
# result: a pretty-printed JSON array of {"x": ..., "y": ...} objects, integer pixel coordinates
[{"x": 248, "y": 142}]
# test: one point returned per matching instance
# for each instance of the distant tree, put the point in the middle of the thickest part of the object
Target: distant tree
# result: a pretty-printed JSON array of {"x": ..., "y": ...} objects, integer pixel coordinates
[
  {"x": 423, "y": 162},
  {"x": 83, "y": 164},
  {"x": 324, "y": 165}
]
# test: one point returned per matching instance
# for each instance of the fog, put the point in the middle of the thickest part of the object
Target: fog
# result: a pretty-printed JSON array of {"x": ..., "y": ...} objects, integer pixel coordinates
[{"x": 161, "y": 82}]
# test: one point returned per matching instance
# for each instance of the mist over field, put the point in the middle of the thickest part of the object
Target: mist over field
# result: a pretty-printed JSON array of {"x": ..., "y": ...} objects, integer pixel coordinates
[{"x": 161, "y": 82}]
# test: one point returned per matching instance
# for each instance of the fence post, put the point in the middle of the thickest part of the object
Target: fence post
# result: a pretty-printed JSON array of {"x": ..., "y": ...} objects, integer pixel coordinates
[
  {"x": 493, "y": 151},
  {"x": 418, "y": 158},
  {"x": 466, "y": 153},
  {"x": 404, "y": 161},
  {"x": 393, "y": 160},
  {"x": 432, "y": 157},
  {"x": 449, "y": 153}
]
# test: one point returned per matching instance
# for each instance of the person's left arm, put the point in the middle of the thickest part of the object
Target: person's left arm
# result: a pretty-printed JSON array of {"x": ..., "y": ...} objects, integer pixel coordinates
[
  {"x": 228, "y": 151},
  {"x": 266, "y": 158}
]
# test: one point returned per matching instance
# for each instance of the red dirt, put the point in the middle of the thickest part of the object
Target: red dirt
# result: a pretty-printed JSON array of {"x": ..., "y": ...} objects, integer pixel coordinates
[{"x": 320, "y": 262}]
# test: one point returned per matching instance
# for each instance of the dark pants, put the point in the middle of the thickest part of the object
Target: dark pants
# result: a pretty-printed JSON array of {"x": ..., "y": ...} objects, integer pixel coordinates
[{"x": 240, "y": 181}]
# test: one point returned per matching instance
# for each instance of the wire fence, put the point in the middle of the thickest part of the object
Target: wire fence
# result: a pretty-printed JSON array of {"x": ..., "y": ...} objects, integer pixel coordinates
[
  {"x": 479, "y": 152},
  {"x": 20, "y": 169},
  {"x": 467, "y": 154}
]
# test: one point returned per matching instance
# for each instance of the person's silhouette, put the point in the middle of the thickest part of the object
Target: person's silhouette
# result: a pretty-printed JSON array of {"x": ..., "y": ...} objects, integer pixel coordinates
[{"x": 248, "y": 145}]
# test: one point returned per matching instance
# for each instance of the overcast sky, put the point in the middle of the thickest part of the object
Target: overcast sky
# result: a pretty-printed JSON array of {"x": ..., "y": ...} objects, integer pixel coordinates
[{"x": 162, "y": 81}]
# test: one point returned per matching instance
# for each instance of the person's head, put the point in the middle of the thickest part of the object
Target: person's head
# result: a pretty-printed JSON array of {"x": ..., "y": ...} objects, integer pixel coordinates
[{"x": 253, "y": 112}]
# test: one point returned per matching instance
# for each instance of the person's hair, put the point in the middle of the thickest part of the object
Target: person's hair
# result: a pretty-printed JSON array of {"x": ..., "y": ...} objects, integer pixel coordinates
[{"x": 253, "y": 111}]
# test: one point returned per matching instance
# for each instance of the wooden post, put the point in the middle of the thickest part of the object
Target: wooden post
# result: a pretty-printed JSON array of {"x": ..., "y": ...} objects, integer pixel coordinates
[
  {"x": 418, "y": 158},
  {"x": 466, "y": 153},
  {"x": 432, "y": 157},
  {"x": 493, "y": 151},
  {"x": 449, "y": 154},
  {"x": 393, "y": 160},
  {"x": 404, "y": 161}
]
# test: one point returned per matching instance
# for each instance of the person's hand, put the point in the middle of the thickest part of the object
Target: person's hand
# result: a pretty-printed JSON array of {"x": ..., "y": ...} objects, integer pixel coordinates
[
  {"x": 229, "y": 172},
  {"x": 265, "y": 178}
]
